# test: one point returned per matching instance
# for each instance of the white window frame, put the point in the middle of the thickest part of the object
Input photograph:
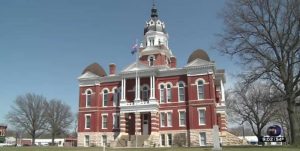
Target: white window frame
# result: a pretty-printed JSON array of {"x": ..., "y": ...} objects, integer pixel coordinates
[
  {"x": 103, "y": 97},
  {"x": 162, "y": 114},
  {"x": 149, "y": 60},
  {"x": 102, "y": 120},
  {"x": 85, "y": 121},
  {"x": 161, "y": 140},
  {"x": 88, "y": 97},
  {"x": 168, "y": 138},
  {"x": 142, "y": 91},
  {"x": 162, "y": 93},
  {"x": 179, "y": 118},
  {"x": 200, "y": 139},
  {"x": 181, "y": 82},
  {"x": 199, "y": 115},
  {"x": 115, "y": 96},
  {"x": 203, "y": 88},
  {"x": 169, "y": 119},
  {"x": 168, "y": 92},
  {"x": 85, "y": 140},
  {"x": 114, "y": 121}
]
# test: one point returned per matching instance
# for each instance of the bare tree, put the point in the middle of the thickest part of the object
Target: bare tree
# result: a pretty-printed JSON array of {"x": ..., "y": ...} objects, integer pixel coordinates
[
  {"x": 252, "y": 105},
  {"x": 28, "y": 112},
  {"x": 264, "y": 36},
  {"x": 59, "y": 117}
]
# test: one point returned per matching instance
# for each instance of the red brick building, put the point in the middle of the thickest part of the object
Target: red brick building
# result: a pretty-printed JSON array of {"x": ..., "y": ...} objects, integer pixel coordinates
[{"x": 173, "y": 104}]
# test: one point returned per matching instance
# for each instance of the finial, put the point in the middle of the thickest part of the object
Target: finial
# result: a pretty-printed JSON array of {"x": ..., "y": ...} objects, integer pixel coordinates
[{"x": 154, "y": 13}]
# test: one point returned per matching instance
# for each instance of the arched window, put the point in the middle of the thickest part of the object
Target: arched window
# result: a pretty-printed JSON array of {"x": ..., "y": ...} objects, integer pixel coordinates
[
  {"x": 88, "y": 98},
  {"x": 181, "y": 92},
  {"x": 200, "y": 89},
  {"x": 145, "y": 95},
  {"x": 169, "y": 93},
  {"x": 105, "y": 98},
  {"x": 151, "y": 60},
  {"x": 162, "y": 94}
]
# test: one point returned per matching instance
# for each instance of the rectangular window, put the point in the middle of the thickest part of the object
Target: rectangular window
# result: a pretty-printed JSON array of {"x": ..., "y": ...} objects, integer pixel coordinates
[
  {"x": 104, "y": 121},
  {"x": 202, "y": 138},
  {"x": 162, "y": 96},
  {"x": 104, "y": 140},
  {"x": 88, "y": 100},
  {"x": 181, "y": 94},
  {"x": 87, "y": 121},
  {"x": 162, "y": 119},
  {"x": 105, "y": 100},
  {"x": 116, "y": 98},
  {"x": 116, "y": 121},
  {"x": 162, "y": 140},
  {"x": 169, "y": 94},
  {"x": 169, "y": 118},
  {"x": 200, "y": 92},
  {"x": 201, "y": 115},
  {"x": 170, "y": 140},
  {"x": 86, "y": 140},
  {"x": 182, "y": 118}
]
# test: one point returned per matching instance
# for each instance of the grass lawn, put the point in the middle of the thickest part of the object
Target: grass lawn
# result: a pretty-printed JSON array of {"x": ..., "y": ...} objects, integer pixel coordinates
[{"x": 147, "y": 149}]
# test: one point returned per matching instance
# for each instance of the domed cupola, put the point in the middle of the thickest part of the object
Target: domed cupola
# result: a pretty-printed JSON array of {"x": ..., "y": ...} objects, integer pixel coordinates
[{"x": 154, "y": 24}]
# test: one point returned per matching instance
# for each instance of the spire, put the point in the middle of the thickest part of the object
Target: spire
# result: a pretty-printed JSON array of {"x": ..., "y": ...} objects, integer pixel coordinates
[{"x": 154, "y": 13}]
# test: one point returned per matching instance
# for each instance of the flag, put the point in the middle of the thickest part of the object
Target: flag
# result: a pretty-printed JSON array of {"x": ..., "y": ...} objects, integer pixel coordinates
[{"x": 134, "y": 48}]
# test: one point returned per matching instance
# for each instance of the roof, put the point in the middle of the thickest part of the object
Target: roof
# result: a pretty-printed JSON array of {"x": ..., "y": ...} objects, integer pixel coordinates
[
  {"x": 198, "y": 54},
  {"x": 96, "y": 69}
]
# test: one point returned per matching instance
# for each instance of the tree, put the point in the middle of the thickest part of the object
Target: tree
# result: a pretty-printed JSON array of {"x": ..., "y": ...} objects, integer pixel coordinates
[
  {"x": 252, "y": 105},
  {"x": 59, "y": 117},
  {"x": 264, "y": 36},
  {"x": 29, "y": 114}
]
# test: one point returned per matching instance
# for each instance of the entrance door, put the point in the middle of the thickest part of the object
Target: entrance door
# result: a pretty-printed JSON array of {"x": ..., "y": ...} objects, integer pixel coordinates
[{"x": 145, "y": 124}]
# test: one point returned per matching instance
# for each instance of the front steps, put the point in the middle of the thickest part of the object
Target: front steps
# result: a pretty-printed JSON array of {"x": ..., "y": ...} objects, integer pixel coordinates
[{"x": 131, "y": 141}]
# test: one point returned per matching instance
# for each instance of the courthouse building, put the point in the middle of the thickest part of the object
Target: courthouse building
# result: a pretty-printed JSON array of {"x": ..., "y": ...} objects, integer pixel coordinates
[{"x": 173, "y": 105}]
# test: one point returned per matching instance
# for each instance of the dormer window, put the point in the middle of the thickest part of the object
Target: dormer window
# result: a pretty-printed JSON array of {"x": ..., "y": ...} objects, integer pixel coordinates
[{"x": 151, "y": 59}]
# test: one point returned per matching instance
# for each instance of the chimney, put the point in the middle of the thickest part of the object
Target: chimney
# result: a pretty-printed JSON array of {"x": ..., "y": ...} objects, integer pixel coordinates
[
  {"x": 112, "y": 69},
  {"x": 173, "y": 62}
]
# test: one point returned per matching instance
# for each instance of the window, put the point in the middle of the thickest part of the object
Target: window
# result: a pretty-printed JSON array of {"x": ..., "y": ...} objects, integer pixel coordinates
[
  {"x": 200, "y": 87},
  {"x": 104, "y": 121},
  {"x": 169, "y": 93},
  {"x": 116, "y": 121},
  {"x": 202, "y": 138},
  {"x": 170, "y": 140},
  {"x": 151, "y": 40},
  {"x": 162, "y": 139},
  {"x": 87, "y": 121},
  {"x": 116, "y": 98},
  {"x": 87, "y": 141},
  {"x": 169, "y": 118},
  {"x": 181, "y": 92},
  {"x": 201, "y": 115},
  {"x": 105, "y": 98},
  {"x": 162, "y": 119},
  {"x": 88, "y": 98},
  {"x": 151, "y": 61},
  {"x": 145, "y": 94},
  {"x": 104, "y": 140},
  {"x": 182, "y": 117},
  {"x": 162, "y": 94}
]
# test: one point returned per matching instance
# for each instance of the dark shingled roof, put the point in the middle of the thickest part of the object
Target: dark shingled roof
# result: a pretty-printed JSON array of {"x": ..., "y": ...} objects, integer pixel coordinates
[
  {"x": 199, "y": 53},
  {"x": 96, "y": 69}
]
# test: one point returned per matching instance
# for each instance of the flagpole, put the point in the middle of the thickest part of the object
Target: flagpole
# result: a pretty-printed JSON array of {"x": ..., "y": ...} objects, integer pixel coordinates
[{"x": 136, "y": 77}]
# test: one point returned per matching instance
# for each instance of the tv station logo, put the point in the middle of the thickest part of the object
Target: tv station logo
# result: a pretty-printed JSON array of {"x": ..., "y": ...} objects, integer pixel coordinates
[{"x": 273, "y": 135}]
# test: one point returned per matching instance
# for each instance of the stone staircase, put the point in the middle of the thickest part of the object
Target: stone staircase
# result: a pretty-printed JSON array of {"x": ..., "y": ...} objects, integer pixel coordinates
[
  {"x": 229, "y": 139},
  {"x": 131, "y": 141}
]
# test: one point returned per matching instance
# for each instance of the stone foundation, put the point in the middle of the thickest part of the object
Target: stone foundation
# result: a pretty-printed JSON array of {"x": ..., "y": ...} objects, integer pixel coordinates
[{"x": 95, "y": 138}]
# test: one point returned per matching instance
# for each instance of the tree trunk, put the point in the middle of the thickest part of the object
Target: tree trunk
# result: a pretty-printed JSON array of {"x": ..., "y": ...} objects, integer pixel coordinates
[
  {"x": 294, "y": 123},
  {"x": 33, "y": 140},
  {"x": 53, "y": 137}
]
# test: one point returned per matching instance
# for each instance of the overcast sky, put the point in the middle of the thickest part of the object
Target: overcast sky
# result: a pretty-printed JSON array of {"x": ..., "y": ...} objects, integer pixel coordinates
[{"x": 45, "y": 45}]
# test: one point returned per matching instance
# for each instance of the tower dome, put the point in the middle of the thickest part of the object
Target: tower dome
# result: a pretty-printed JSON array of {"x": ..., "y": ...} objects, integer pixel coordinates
[
  {"x": 96, "y": 69},
  {"x": 198, "y": 54},
  {"x": 154, "y": 24}
]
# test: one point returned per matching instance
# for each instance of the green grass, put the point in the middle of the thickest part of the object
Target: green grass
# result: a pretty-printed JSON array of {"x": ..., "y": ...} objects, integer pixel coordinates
[{"x": 147, "y": 149}]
